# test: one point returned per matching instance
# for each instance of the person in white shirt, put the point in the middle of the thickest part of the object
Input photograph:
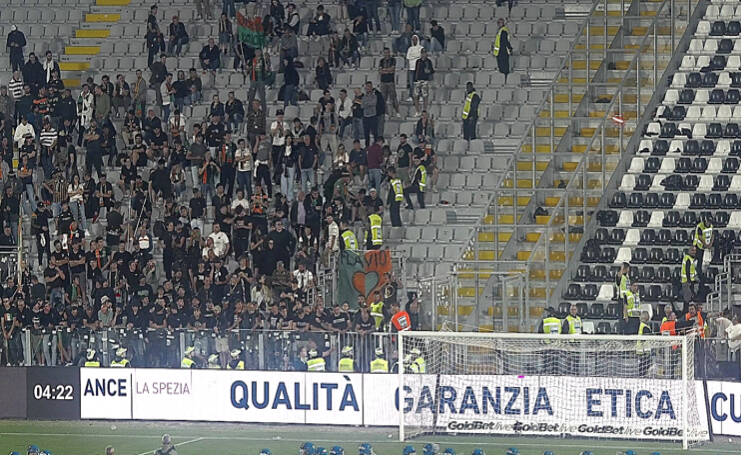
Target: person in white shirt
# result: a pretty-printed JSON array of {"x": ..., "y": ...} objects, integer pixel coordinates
[
  {"x": 166, "y": 89},
  {"x": 343, "y": 109},
  {"x": 412, "y": 55},
  {"x": 332, "y": 246},
  {"x": 279, "y": 131},
  {"x": 244, "y": 159},
  {"x": 240, "y": 200},
  {"x": 302, "y": 275},
  {"x": 733, "y": 333},
  {"x": 220, "y": 240},
  {"x": 177, "y": 125},
  {"x": 22, "y": 131},
  {"x": 86, "y": 102}
]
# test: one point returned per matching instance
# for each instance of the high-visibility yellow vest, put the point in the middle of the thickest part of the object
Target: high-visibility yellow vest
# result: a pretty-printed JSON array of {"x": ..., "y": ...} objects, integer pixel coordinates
[
  {"x": 497, "y": 42},
  {"x": 466, "y": 108},
  {"x": 574, "y": 325},
  {"x": 239, "y": 366},
  {"x": 623, "y": 285},
  {"x": 316, "y": 364},
  {"x": 375, "y": 226},
  {"x": 92, "y": 363},
  {"x": 552, "y": 326},
  {"x": 632, "y": 304},
  {"x": 121, "y": 363},
  {"x": 693, "y": 274},
  {"x": 703, "y": 235},
  {"x": 643, "y": 346},
  {"x": 350, "y": 240},
  {"x": 187, "y": 363},
  {"x": 346, "y": 365},
  {"x": 419, "y": 365},
  {"x": 375, "y": 310},
  {"x": 378, "y": 365},
  {"x": 422, "y": 177},
  {"x": 214, "y": 365},
  {"x": 397, "y": 188}
]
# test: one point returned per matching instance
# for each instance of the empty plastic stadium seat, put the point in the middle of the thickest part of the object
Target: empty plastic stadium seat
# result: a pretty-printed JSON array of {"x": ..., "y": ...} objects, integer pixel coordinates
[
  {"x": 714, "y": 201},
  {"x": 690, "y": 183},
  {"x": 716, "y": 96},
  {"x": 617, "y": 236},
  {"x": 666, "y": 200},
  {"x": 635, "y": 201},
  {"x": 643, "y": 182},
  {"x": 686, "y": 96},
  {"x": 656, "y": 256},
  {"x": 733, "y": 29},
  {"x": 671, "y": 219},
  {"x": 683, "y": 166},
  {"x": 718, "y": 29},
  {"x": 707, "y": 148},
  {"x": 589, "y": 292},
  {"x": 725, "y": 46},
  {"x": 640, "y": 255},
  {"x": 718, "y": 62},
  {"x": 608, "y": 255},
  {"x": 681, "y": 238},
  {"x": 663, "y": 274},
  {"x": 721, "y": 183},
  {"x": 648, "y": 237},
  {"x": 652, "y": 165},
  {"x": 715, "y": 131},
  {"x": 731, "y": 201},
  {"x": 608, "y": 217},
  {"x": 618, "y": 200},
  {"x": 721, "y": 219},
  {"x": 710, "y": 80},
  {"x": 672, "y": 256},
  {"x": 661, "y": 147},
  {"x": 573, "y": 292},
  {"x": 732, "y": 131},
  {"x": 654, "y": 293},
  {"x": 583, "y": 273},
  {"x": 651, "y": 201},
  {"x": 647, "y": 274},
  {"x": 590, "y": 254},
  {"x": 601, "y": 235},
  {"x": 699, "y": 165},
  {"x": 600, "y": 274},
  {"x": 663, "y": 237},
  {"x": 733, "y": 97},
  {"x": 698, "y": 201},
  {"x": 668, "y": 131},
  {"x": 641, "y": 218},
  {"x": 688, "y": 220}
]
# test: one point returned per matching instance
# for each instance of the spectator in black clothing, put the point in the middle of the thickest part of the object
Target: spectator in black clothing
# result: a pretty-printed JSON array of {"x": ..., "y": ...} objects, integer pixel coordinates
[
  {"x": 437, "y": 43},
  {"x": 320, "y": 23},
  {"x": 177, "y": 36},
  {"x": 15, "y": 43},
  {"x": 291, "y": 84},
  {"x": 210, "y": 56},
  {"x": 33, "y": 74}
]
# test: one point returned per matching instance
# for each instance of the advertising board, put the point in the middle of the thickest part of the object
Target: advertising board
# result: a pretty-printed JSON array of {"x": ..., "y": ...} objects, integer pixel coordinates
[
  {"x": 53, "y": 393},
  {"x": 724, "y": 400}
]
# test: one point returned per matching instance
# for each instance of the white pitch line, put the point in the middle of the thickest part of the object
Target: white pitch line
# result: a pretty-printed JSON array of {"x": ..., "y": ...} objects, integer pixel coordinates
[
  {"x": 193, "y": 440},
  {"x": 346, "y": 441}
]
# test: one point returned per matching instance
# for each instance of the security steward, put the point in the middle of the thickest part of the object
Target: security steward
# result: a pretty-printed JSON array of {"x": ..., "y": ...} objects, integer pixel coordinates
[
  {"x": 348, "y": 237},
  {"x": 315, "y": 362},
  {"x": 550, "y": 325},
  {"x": 379, "y": 364},
  {"x": 670, "y": 326},
  {"x": 187, "y": 361},
  {"x": 418, "y": 364},
  {"x": 91, "y": 360},
  {"x": 121, "y": 360},
  {"x": 417, "y": 185},
  {"x": 375, "y": 309},
  {"x": 632, "y": 310},
  {"x": 395, "y": 197},
  {"x": 689, "y": 275},
  {"x": 373, "y": 234},
  {"x": 213, "y": 361},
  {"x": 346, "y": 364},
  {"x": 572, "y": 324},
  {"x": 702, "y": 240},
  {"x": 502, "y": 49},
  {"x": 470, "y": 112},
  {"x": 643, "y": 349},
  {"x": 696, "y": 316},
  {"x": 236, "y": 363}
]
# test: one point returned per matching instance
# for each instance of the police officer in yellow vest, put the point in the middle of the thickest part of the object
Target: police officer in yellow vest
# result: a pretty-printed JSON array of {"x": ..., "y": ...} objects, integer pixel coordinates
[
  {"x": 373, "y": 234},
  {"x": 348, "y": 237},
  {"x": 470, "y": 112},
  {"x": 550, "y": 325},
  {"x": 187, "y": 362},
  {"x": 418, "y": 185},
  {"x": 315, "y": 362},
  {"x": 346, "y": 364},
  {"x": 643, "y": 349},
  {"x": 379, "y": 364},
  {"x": 90, "y": 359},
  {"x": 689, "y": 276},
  {"x": 121, "y": 360},
  {"x": 632, "y": 309},
  {"x": 236, "y": 363},
  {"x": 395, "y": 197},
  {"x": 501, "y": 47},
  {"x": 702, "y": 240},
  {"x": 418, "y": 364},
  {"x": 572, "y": 324},
  {"x": 214, "y": 361}
]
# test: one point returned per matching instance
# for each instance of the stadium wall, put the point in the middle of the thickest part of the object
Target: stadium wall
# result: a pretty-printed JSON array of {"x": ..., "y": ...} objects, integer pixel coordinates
[{"x": 510, "y": 405}]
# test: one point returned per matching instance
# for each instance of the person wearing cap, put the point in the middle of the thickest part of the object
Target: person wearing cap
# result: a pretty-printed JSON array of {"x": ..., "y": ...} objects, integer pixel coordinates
[
  {"x": 213, "y": 361},
  {"x": 346, "y": 363},
  {"x": 470, "y": 112},
  {"x": 91, "y": 359},
  {"x": 379, "y": 364},
  {"x": 315, "y": 362},
  {"x": 187, "y": 361},
  {"x": 236, "y": 362},
  {"x": 121, "y": 360},
  {"x": 15, "y": 43}
]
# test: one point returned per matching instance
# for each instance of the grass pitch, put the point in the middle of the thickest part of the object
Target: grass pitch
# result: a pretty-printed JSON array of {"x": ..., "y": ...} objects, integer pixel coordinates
[{"x": 138, "y": 437}]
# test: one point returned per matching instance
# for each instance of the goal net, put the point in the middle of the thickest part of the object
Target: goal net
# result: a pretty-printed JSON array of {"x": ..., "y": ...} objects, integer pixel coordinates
[{"x": 628, "y": 387}]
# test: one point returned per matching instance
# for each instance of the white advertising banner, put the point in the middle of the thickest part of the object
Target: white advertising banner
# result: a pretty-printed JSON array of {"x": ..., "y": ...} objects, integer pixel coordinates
[
  {"x": 334, "y": 398},
  {"x": 163, "y": 394},
  {"x": 724, "y": 399},
  {"x": 106, "y": 393}
]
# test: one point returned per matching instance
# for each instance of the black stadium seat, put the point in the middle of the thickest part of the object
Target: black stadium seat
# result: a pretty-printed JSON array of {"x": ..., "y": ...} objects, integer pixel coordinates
[
  {"x": 678, "y": 113},
  {"x": 668, "y": 131},
  {"x": 656, "y": 256},
  {"x": 573, "y": 292},
  {"x": 582, "y": 309},
  {"x": 663, "y": 274},
  {"x": 690, "y": 183},
  {"x": 707, "y": 148},
  {"x": 681, "y": 238},
  {"x": 618, "y": 200},
  {"x": 589, "y": 292},
  {"x": 617, "y": 236},
  {"x": 686, "y": 96},
  {"x": 671, "y": 219},
  {"x": 722, "y": 219},
  {"x": 716, "y": 96},
  {"x": 688, "y": 220},
  {"x": 635, "y": 201},
  {"x": 648, "y": 237},
  {"x": 604, "y": 328},
  {"x": 733, "y": 29},
  {"x": 683, "y": 165},
  {"x": 714, "y": 201},
  {"x": 699, "y": 165},
  {"x": 590, "y": 254},
  {"x": 736, "y": 148},
  {"x": 651, "y": 201},
  {"x": 717, "y": 29},
  {"x": 721, "y": 183},
  {"x": 641, "y": 218},
  {"x": 718, "y": 62},
  {"x": 733, "y": 97},
  {"x": 698, "y": 201},
  {"x": 668, "y": 293},
  {"x": 640, "y": 256},
  {"x": 601, "y": 235},
  {"x": 652, "y": 165},
  {"x": 563, "y": 309},
  {"x": 599, "y": 273},
  {"x": 693, "y": 80},
  {"x": 715, "y": 131},
  {"x": 647, "y": 274},
  {"x": 735, "y": 79},
  {"x": 672, "y": 256},
  {"x": 667, "y": 200},
  {"x": 608, "y": 217},
  {"x": 730, "y": 166},
  {"x": 672, "y": 182},
  {"x": 710, "y": 80},
  {"x": 732, "y": 131},
  {"x": 663, "y": 237},
  {"x": 608, "y": 255},
  {"x": 634, "y": 272},
  {"x": 654, "y": 293},
  {"x": 731, "y": 201},
  {"x": 582, "y": 273},
  {"x": 596, "y": 311},
  {"x": 691, "y": 147},
  {"x": 725, "y": 46},
  {"x": 661, "y": 147},
  {"x": 643, "y": 182}
]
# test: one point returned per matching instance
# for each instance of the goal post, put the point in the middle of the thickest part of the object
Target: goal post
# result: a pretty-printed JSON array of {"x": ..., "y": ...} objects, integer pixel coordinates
[{"x": 590, "y": 386}]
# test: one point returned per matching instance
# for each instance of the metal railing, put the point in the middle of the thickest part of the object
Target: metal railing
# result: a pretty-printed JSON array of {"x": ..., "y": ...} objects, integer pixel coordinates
[{"x": 725, "y": 289}]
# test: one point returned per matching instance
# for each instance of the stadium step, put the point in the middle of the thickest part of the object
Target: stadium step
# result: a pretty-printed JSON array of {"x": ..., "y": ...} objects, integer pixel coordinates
[
  {"x": 92, "y": 33},
  {"x": 102, "y": 17},
  {"x": 82, "y": 50},
  {"x": 74, "y": 66},
  {"x": 113, "y": 2}
]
